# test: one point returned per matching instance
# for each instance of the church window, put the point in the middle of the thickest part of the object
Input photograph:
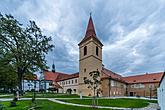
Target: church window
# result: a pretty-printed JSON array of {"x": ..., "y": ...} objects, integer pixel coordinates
[
  {"x": 112, "y": 83},
  {"x": 97, "y": 51},
  {"x": 75, "y": 80},
  {"x": 72, "y": 81},
  {"x": 84, "y": 70},
  {"x": 85, "y": 50}
]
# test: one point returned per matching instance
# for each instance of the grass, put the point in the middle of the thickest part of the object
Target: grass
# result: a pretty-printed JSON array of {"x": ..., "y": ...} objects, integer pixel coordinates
[
  {"x": 153, "y": 101},
  {"x": 45, "y": 105},
  {"x": 121, "y": 102}
]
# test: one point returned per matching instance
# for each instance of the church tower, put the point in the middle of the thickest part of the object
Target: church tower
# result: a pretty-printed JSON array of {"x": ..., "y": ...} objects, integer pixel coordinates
[{"x": 90, "y": 57}]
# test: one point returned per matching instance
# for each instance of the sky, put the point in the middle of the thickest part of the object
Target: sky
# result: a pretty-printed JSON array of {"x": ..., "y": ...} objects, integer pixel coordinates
[{"x": 132, "y": 31}]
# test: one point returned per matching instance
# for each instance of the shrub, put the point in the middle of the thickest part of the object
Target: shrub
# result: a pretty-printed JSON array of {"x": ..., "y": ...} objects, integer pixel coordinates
[{"x": 13, "y": 104}]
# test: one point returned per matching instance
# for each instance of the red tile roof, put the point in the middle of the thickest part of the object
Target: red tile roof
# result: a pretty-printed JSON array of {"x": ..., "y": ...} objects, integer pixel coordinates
[
  {"x": 57, "y": 76},
  {"x": 145, "y": 78},
  {"x": 54, "y": 76},
  {"x": 48, "y": 75},
  {"x": 75, "y": 75},
  {"x": 112, "y": 75},
  {"x": 90, "y": 28},
  {"x": 90, "y": 32}
]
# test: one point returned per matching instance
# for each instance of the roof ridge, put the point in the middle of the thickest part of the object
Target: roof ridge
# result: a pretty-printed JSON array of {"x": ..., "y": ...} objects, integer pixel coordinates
[
  {"x": 112, "y": 72},
  {"x": 143, "y": 74}
]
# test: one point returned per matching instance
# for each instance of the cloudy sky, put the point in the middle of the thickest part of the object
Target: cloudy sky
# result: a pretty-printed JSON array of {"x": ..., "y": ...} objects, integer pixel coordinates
[{"x": 132, "y": 31}]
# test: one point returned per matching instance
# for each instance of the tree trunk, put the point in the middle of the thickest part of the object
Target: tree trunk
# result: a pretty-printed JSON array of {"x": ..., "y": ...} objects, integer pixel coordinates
[
  {"x": 20, "y": 76},
  {"x": 94, "y": 99}
]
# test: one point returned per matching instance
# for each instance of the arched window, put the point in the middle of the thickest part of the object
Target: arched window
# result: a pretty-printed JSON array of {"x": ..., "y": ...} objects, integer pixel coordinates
[
  {"x": 85, "y": 50},
  {"x": 97, "y": 51},
  {"x": 84, "y": 70}
]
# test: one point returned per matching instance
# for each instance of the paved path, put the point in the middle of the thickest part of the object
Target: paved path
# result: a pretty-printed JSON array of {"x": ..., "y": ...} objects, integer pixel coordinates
[
  {"x": 152, "y": 106},
  {"x": 1, "y": 96}
]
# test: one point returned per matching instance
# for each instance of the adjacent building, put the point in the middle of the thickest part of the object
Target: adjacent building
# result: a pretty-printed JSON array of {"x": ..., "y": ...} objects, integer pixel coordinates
[
  {"x": 161, "y": 93},
  {"x": 113, "y": 84}
]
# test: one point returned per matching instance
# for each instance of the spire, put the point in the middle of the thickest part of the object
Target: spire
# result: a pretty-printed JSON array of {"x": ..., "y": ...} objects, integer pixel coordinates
[
  {"x": 90, "y": 32},
  {"x": 53, "y": 68},
  {"x": 90, "y": 28}
]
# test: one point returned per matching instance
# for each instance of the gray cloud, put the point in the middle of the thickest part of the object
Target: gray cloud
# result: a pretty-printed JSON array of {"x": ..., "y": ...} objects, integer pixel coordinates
[{"x": 132, "y": 31}]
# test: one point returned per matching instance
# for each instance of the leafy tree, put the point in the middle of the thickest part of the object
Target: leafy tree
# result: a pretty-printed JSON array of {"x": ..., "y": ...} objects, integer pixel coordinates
[
  {"x": 8, "y": 77},
  {"x": 26, "y": 47},
  {"x": 93, "y": 83}
]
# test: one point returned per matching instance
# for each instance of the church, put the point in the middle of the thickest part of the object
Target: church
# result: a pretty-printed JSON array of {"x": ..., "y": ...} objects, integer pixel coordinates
[{"x": 112, "y": 84}]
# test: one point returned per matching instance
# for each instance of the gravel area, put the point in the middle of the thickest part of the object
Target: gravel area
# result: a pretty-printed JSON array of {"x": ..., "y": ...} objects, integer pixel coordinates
[{"x": 152, "y": 106}]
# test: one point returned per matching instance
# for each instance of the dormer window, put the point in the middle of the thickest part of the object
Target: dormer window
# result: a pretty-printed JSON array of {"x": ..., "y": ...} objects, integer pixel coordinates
[
  {"x": 85, "y": 50},
  {"x": 97, "y": 51}
]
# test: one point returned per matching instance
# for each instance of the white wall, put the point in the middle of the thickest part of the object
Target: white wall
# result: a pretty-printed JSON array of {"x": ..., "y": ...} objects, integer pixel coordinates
[
  {"x": 28, "y": 85},
  {"x": 66, "y": 85},
  {"x": 161, "y": 95}
]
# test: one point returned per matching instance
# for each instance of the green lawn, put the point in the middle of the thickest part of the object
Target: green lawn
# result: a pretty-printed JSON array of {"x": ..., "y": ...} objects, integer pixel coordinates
[
  {"x": 45, "y": 105},
  {"x": 122, "y": 102}
]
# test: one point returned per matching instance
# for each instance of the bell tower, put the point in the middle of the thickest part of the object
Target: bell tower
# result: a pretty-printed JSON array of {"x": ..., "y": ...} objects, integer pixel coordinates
[{"x": 90, "y": 57}]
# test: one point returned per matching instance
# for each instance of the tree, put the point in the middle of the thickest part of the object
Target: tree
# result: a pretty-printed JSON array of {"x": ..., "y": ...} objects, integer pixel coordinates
[
  {"x": 93, "y": 84},
  {"x": 26, "y": 46},
  {"x": 8, "y": 77}
]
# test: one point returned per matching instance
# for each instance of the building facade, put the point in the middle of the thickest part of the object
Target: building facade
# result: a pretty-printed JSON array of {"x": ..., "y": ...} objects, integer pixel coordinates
[
  {"x": 161, "y": 93},
  {"x": 90, "y": 57},
  {"x": 37, "y": 85},
  {"x": 69, "y": 86},
  {"x": 113, "y": 84}
]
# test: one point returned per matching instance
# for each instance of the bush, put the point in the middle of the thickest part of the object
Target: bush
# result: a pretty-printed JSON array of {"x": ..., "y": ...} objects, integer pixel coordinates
[{"x": 13, "y": 104}]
